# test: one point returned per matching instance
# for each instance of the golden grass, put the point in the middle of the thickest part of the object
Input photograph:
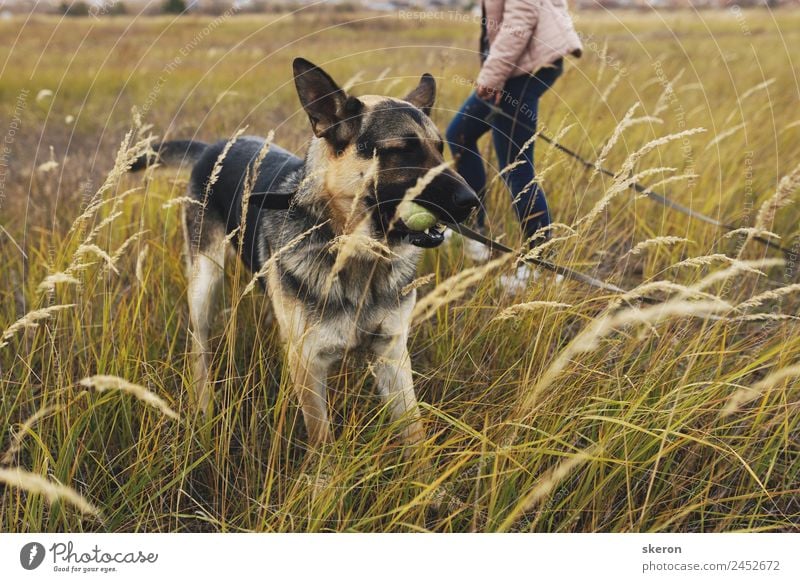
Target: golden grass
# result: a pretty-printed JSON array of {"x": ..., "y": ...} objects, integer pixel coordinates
[
  {"x": 103, "y": 383},
  {"x": 557, "y": 409},
  {"x": 16, "y": 477}
]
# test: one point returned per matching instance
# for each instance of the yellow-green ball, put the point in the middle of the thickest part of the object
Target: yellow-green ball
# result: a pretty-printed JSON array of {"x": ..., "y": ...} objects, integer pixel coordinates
[{"x": 415, "y": 217}]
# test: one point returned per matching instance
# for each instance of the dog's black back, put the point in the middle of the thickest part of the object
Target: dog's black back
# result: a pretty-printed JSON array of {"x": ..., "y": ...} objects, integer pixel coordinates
[{"x": 277, "y": 174}]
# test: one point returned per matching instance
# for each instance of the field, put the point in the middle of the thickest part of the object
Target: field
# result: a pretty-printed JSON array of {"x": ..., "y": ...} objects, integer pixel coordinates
[{"x": 562, "y": 409}]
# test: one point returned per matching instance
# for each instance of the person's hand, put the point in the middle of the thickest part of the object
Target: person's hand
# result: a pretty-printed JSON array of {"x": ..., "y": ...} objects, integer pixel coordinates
[{"x": 491, "y": 94}]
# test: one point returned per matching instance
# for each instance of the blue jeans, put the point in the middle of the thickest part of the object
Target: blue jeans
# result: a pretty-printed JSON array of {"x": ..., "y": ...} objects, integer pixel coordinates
[{"x": 520, "y": 103}]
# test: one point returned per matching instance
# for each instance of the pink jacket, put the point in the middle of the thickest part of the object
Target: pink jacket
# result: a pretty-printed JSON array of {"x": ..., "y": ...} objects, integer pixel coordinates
[{"x": 525, "y": 35}]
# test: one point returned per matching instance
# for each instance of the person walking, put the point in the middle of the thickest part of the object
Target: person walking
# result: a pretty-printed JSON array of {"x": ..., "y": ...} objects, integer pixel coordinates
[{"x": 522, "y": 45}]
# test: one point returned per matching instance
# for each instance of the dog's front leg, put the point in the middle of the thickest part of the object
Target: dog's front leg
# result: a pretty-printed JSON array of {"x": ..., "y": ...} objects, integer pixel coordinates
[
  {"x": 309, "y": 372},
  {"x": 308, "y": 368},
  {"x": 396, "y": 386},
  {"x": 393, "y": 373}
]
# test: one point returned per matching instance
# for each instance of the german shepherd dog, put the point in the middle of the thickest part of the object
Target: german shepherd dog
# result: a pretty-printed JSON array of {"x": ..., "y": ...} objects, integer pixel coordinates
[{"x": 324, "y": 310}]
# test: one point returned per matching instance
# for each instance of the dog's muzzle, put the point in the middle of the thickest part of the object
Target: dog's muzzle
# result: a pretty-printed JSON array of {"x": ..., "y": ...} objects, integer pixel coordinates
[
  {"x": 426, "y": 239},
  {"x": 450, "y": 200}
]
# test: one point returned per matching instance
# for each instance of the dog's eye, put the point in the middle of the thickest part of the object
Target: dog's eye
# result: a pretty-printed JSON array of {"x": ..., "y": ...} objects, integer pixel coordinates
[
  {"x": 391, "y": 151},
  {"x": 397, "y": 149}
]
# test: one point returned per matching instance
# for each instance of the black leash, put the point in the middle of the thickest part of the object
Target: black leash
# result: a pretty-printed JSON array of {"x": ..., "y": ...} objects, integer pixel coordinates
[
  {"x": 664, "y": 201},
  {"x": 565, "y": 271}
]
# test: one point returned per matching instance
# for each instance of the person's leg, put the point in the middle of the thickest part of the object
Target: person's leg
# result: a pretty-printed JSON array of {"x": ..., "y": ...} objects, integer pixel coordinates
[
  {"x": 462, "y": 135},
  {"x": 514, "y": 130}
]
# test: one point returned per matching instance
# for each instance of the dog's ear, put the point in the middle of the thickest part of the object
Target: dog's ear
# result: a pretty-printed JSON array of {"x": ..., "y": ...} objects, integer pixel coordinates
[
  {"x": 424, "y": 95},
  {"x": 329, "y": 109}
]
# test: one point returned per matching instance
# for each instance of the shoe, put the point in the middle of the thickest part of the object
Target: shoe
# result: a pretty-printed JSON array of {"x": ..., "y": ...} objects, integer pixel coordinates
[
  {"x": 523, "y": 276},
  {"x": 478, "y": 252},
  {"x": 519, "y": 281}
]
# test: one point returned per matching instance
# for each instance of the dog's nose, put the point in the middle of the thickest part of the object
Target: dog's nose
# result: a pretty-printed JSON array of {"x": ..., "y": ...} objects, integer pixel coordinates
[{"x": 465, "y": 197}]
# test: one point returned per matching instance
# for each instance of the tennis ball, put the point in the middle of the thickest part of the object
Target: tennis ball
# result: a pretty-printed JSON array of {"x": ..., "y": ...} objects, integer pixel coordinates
[{"x": 415, "y": 217}]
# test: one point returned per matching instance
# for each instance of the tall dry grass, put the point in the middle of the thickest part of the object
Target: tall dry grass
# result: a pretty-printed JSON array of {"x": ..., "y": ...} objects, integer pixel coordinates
[{"x": 560, "y": 409}]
